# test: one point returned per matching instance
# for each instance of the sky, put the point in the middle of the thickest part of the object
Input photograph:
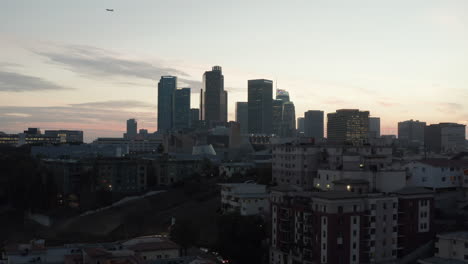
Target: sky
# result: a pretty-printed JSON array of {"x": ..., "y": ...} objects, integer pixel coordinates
[{"x": 73, "y": 65}]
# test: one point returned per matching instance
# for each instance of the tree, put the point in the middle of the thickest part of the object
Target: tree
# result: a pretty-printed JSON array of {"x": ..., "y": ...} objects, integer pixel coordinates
[
  {"x": 184, "y": 233},
  {"x": 240, "y": 238}
]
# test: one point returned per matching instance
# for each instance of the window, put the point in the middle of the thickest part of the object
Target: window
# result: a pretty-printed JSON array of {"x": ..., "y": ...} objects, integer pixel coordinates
[
  {"x": 354, "y": 257},
  {"x": 340, "y": 209},
  {"x": 355, "y": 220}
]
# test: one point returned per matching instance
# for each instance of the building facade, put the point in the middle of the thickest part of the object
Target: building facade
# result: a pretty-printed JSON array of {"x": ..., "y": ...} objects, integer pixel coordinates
[
  {"x": 213, "y": 98},
  {"x": 348, "y": 126},
  {"x": 345, "y": 227},
  {"x": 445, "y": 138},
  {"x": 242, "y": 116},
  {"x": 313, "y": 124},
  {"x": 260, "y": 98},
  {"x": 411, "y": 133},
  {"x": 66, "y": 136},
  {"x": 244, "y": 198},
  {"x": 166, "y": 88},
  {"x": 182, "y": 108},
  {"x": 374, "y": 127}
]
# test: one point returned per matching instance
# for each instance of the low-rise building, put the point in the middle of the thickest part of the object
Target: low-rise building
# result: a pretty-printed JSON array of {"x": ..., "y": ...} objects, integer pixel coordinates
[
  {"x": 233, "y": 168},
  {"x": 438, "y": 173},
  {"x": 244, "y": 198},
  {"x": 450, "y": 248}
]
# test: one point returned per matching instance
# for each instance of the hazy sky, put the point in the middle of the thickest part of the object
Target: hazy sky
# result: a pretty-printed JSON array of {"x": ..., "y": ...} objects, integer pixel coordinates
[{"x": 72, "y": 65}]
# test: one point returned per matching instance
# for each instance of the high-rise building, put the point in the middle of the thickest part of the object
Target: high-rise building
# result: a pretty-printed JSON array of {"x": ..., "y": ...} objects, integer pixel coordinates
[
  {"x": 411, "y": 133},
  {"x": 182, "y": 108},
  {"x": 300, "y": 125},
  {"x": 260, "y": 97},
  {"x": 277, "y": 116},
  {"x": 132, "y": 128},
  {"x": 445, "y": 138},
  {"x": 194, "y": 117},
  {"x": 313, "y": 124},
  {"x": 166, "y": 89},
  {"x": 242, "y": 116},
  {"x": 349, "y": 126},
  {"x": 374, "y": 127},
  {"x": 288, "y": 120},
  {"x": 282, "y": 95},
  {"x": 213, "y": 97}
]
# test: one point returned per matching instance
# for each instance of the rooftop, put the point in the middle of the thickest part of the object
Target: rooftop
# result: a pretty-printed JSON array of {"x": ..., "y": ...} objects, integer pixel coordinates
[
  {"x": 413, "y": 191},
  {"x": 443, "y": 163},
  {"x": 337, "y": 195},
  {"x": 350, "y": 181},
  {"x": 459, "y": 235},
  {"x": 437, "y": 260}
]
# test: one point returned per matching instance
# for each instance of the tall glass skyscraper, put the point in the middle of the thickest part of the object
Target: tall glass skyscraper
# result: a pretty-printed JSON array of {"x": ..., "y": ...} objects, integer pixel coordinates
[
  {"x": 182, "y": 108},
  {"x": 288, "y": 120},
  {"x": 166, "y": 89},
  {"x": 213, "y": 98},
  {"x": 260, "y": 98}
]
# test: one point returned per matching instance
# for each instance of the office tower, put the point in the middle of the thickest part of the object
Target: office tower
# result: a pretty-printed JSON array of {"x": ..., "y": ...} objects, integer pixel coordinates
[
  {"x": 374, "y": 127},
  {"x": 445, "y": 138},
  {"x": 182, "y": 108},
  {"x": 348, "y": 126},
  {"x": 213, "y": 97},
  {"x": 411, "y": 133},
  {"x": 300, "y": 124},
  {"x": 131, "y": 129},
  {"x": 194, "y": 117},
  {"x": 260, "y": 97},
  {"x": 242, "y": 116},
  {"x": 277, "y": 116},
  {"x": 288, "y": 120},
  {"x": 313, "y": 124},
  {"x": 282, "y": 95},
  {"x": 66, "y": 136},
  {"x": 166, "y": 89}
]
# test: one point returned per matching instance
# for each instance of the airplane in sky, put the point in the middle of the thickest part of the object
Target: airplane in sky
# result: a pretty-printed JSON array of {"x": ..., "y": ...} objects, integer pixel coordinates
[{"x": 110, "y": 10}]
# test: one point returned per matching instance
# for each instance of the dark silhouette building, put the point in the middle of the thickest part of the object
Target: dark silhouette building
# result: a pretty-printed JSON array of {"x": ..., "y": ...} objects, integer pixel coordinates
[
  {"x": 213, "y": 98},
  {"x": 313, "y": 124},
  {"x": 242, "y": 116},
  {"x": 194, "y": 117},
  {"x": 182, "y": 108},
  {"x": 166, "y": 89},
  {"x": 132, "y": 128},
  {"x": 260, "y": 98}
]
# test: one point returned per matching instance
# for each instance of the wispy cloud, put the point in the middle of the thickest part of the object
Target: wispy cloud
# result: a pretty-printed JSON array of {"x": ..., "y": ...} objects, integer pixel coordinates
[
  {"x": 17, "y": 82},
  {"x": 450, "y": 108},
  {"x": 99, "y": 63},
  {"x": 115, "y": 104}
]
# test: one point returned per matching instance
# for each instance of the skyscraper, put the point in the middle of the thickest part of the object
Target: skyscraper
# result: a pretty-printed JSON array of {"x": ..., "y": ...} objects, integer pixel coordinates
[
  {"x": 288, "y": 120},
  {"x": 411, "y": 133},
  {"x": 313, "y": 124},
  {"x": 132, "y": 128},
  {"x": 300, "y": 125},
  {"x": 374, "y": 127},
  {"x": 242, "y": 116},
  {"x": 277, "y": 116},
  {"x": 260, "y": 97},
  {"x": 282, "y": 95},
  {"x": 348, "y": 126},
  {"x": 213, "y": 97},
  {"x": 166, "y": 89},
  {"x": 182, "y": 108},
  {"x": 194, "y": 117}
]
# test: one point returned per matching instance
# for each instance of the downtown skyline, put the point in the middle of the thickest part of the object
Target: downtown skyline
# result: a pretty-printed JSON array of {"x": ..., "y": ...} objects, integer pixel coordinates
[{"x": 64, "y": 73}]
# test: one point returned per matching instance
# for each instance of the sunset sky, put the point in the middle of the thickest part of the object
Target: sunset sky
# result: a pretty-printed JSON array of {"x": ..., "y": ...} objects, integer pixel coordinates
[{"x": 72, "y": 65}]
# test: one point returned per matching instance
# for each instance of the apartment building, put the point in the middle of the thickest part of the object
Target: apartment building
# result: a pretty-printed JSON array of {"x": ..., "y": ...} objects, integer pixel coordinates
[
  {"x": 347, "y": 227},
  {"x": 244, "y": 198}
]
